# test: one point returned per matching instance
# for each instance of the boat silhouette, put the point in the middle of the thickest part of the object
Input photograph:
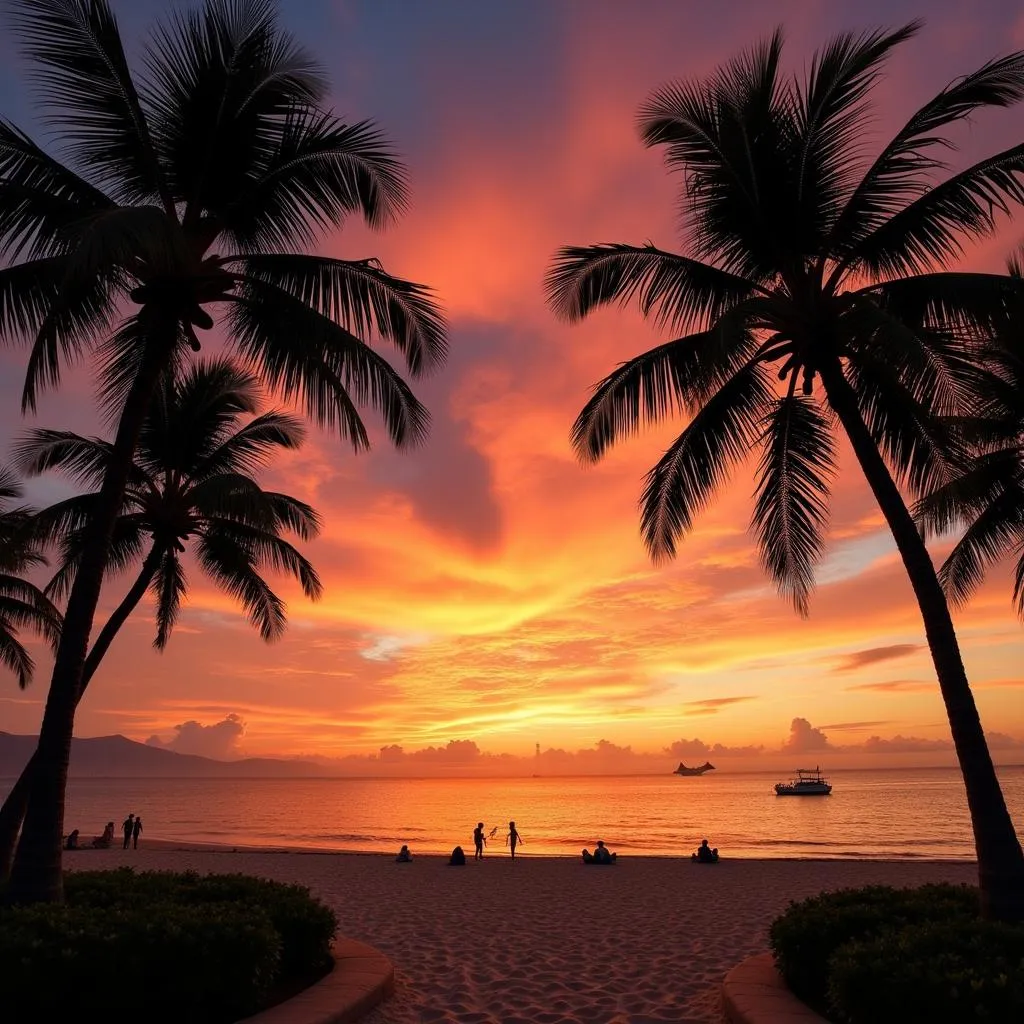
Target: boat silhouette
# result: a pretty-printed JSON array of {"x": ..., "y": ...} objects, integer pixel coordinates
[{"x": 707, "y": 766}]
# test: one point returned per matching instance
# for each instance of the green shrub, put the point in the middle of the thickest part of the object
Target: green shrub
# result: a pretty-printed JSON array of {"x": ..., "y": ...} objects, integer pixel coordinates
[
  {"x": 211, "y": 963},
  {"x": 305, "y": 925},
  {"x": 958, "y": 970},
  {"x": 807, "y": 935},
  {"x": 203, "y": 948}
]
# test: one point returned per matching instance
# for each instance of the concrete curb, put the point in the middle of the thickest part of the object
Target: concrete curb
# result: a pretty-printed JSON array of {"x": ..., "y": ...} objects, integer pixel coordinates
[
  {"x": 754, "y": 993},
  {"x": 362, "y": 978}
]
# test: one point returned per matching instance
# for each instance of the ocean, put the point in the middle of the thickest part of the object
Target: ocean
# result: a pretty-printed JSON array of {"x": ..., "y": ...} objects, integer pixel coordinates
[{"x": 901, "y": 813}]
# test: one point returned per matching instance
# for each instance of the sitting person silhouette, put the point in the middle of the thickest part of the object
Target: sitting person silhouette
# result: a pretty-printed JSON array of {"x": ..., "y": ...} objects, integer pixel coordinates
[
  {"x": 601, "y": 855},
  {"x": 458, "y": 858},
  {"x": 404, "y": 856},
  {"x": 705, "y": 854},
  {"x": 104, "y": 841}
]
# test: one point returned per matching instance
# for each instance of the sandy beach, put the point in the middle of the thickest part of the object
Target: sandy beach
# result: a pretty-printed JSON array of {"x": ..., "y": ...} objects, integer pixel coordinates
[{"x": 547, "y": 940}]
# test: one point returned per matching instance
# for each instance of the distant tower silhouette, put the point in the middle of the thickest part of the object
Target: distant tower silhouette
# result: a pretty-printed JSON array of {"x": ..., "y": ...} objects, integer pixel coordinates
[{"x": 536, "y": 752}]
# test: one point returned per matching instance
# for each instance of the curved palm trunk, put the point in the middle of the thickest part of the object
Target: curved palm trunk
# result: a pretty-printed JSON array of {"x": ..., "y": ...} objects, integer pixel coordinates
[
  {"x": 36, "y": 875},
  {"x": 12, "y": 814},
  {"x": 1000, "y": 859}
]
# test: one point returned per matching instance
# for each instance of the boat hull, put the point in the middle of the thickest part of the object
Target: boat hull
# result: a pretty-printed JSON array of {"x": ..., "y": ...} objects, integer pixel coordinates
[{"x": 806, "y": 791}]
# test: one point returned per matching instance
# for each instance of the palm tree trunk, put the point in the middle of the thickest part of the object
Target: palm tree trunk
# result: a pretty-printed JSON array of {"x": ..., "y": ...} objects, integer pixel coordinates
[
  {"x": 36, "y": 876},
  {"x": 12, "y": 814},
  {"x": 1000, "y": 859}
]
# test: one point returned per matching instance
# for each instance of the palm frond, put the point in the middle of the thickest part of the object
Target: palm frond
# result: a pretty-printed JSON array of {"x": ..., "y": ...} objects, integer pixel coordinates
[
  {"x": 119, "y": 357},
  {"x": 921, "y": 448},
  {"x": 87, "y": 87},
  {"x": 698, "y": 462},
  {"x": 221, "y": 81},
  {"x": 125, "y": 238},
  {"x": 306, "y": 357},
  {"x": 929, "y": 360},
  {"x": 10, "y": 488},
  {"x": 996, "y": 532},
  {"x": 124, "y": 549},
  {"x": 82, "y": 307},
  {"x": 931, "y": 230},
  {"x": 266, "y": 550},
  {"x": 238, "y": 498},
  {"x": 28, "y": 291},
  {"x": 668, "y": 379},
  {"x": 673, "y": 290},
  {"x": 14, "y": 654},
  {"x": 900, "y": 173},
  {"x": 233, "y": 566},
  {"x": 169, "y": 587},
  {"x": 831, "y": 113},
  {"x": 24, "y": 606},
  {"x": 51, "y": 524},
  {"x": 40, "y": 198},
  {"x": 364, "y": 299},
  {"x": 293, "y": 515},
  {"x": 82, "y": 459},
  {"x": 250, "y": 448},
  {"x": 732, "y": 137},
  {"x": 195, "y": 412},
  {"x": 320, "y": 172},
  {"x": 970, "y": 305},
  {"x": 791, "y": 502},
  {"x": 1018, "y": 581},
  {"x": 984, "y": 480}
]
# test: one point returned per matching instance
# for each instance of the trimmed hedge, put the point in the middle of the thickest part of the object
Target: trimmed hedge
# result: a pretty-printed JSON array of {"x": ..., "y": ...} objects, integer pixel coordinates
[
  {"x": 874, "y": 955},
  {"x": 806, "y": 936},
  {"x": 951, "y": 971},
  {"x": 209, "y": 949},
  {"x": 303, "y": 923}
]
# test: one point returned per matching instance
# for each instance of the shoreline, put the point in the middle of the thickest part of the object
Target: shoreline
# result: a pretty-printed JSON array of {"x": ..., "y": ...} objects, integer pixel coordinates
[{"x": 220, "y": 848}]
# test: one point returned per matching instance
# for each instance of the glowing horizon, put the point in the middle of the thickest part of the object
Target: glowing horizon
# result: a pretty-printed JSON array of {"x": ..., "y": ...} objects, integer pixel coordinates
[{"x": 487, "y": 588}]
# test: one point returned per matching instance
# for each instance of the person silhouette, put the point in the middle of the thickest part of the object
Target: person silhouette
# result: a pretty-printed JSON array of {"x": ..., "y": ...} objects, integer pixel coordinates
[
  {"x": 706, "y": 854},
  {"x": 479, "y": 842},
  {"x": 513, "y": 839},
  {"x": 127, "y": 828},
  {"x": 136, "y": 829}
]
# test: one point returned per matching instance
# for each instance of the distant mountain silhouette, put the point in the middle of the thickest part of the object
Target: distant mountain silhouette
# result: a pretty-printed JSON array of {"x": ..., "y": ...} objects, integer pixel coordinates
[{"x": 119, "y": 757}]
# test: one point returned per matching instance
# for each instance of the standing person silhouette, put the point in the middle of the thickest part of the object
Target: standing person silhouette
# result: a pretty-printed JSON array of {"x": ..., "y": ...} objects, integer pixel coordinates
[
  {"x": 126, "y": 828},
  {"x": 479, "y": 842},
  {"x": 513, "y": 839},
  {"x": 136, "y": 829}
]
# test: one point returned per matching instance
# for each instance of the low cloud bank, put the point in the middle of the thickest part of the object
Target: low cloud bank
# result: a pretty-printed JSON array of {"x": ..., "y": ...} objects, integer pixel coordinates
[
  {"x": 222, "y": 739},
  {"x": 219, "y": 741}
]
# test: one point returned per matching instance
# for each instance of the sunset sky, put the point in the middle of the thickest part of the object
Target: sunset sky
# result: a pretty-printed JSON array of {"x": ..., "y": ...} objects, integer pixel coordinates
[{"x": 487, "y": 588}]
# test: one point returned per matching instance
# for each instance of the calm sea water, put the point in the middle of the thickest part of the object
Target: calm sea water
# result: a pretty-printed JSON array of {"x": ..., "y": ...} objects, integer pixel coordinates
[{"x": 902, "y": 813}]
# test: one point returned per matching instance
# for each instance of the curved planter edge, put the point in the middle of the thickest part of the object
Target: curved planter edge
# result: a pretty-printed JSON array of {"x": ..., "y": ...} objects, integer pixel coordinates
[
  {"x": 753, "y": 992},
  {"x": 362, "y": 978}
]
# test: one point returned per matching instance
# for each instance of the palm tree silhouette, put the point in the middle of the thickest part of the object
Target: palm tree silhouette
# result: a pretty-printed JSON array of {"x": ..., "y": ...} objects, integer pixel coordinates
[
  {"x": 986, "y": 500},
  {"x": 184, "y": 194},
  {"x": 22, "y": 604},
  {"x": 815, "y": 302},
  {"x": 191, "y": 483}
]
